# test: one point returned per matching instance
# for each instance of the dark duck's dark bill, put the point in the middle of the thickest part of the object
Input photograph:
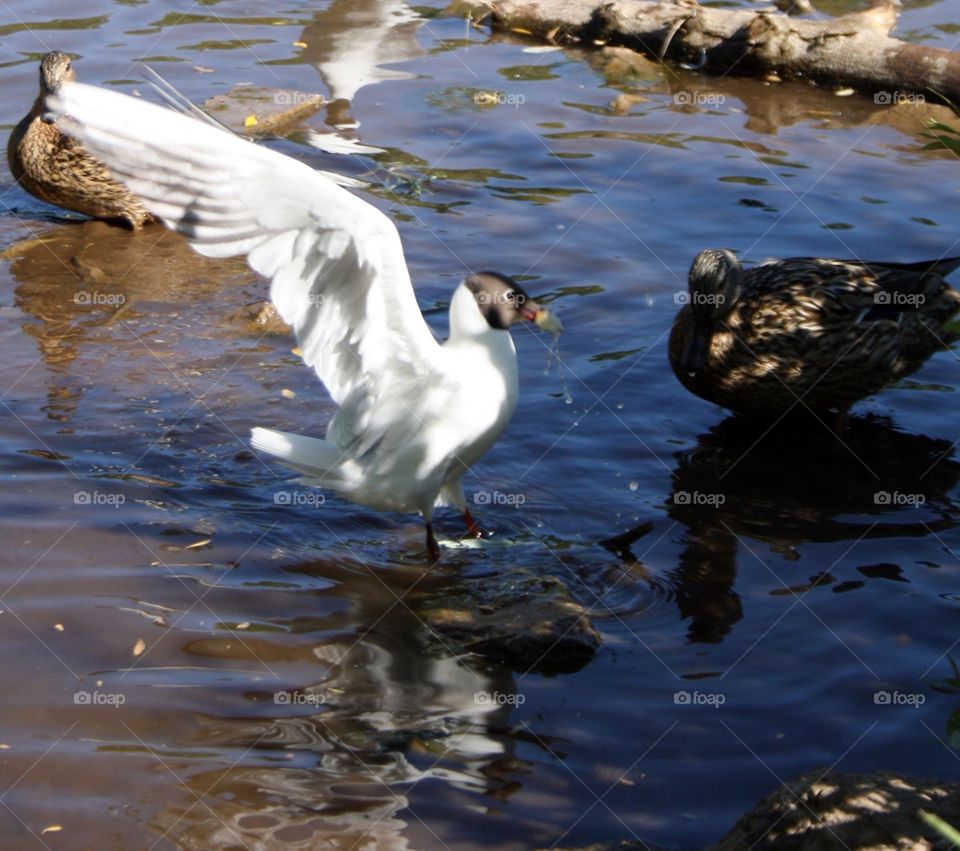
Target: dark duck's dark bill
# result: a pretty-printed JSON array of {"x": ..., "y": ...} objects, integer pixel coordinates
[{"x": 696, "y": 352}]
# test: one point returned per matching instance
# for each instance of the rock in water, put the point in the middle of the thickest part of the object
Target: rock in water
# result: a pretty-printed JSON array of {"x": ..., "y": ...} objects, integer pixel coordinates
[
  {"x": 527, "y": 622},
  {"x": 827, "y": 810}
]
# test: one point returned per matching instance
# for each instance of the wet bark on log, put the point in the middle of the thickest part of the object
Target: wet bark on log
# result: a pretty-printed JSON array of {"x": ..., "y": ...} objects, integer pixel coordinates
[{"x": 854, "y": 50}]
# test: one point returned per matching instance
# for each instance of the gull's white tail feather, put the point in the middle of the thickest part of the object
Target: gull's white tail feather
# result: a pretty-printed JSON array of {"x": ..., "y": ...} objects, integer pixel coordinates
[{"x": 320, "y": 461}]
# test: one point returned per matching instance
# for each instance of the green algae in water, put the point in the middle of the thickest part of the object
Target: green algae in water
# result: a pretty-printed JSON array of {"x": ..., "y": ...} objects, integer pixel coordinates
[
  {"x": 57, "y": 24},
  {"x": 530, "y": 72},
  {"x": 229, "y": 44}
]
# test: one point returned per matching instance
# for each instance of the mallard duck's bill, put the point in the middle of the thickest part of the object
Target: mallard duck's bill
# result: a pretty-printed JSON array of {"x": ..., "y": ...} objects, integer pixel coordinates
[
  {"x": 696, "y": 352},
  {"x": 544, "y": 319}
]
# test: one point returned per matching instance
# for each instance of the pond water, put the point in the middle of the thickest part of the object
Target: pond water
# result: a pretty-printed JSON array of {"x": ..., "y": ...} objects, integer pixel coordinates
[{"x": 192, "y": 663}]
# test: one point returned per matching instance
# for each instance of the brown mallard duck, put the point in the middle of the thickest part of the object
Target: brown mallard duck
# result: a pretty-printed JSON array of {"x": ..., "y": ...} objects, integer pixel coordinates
[
  {"x": 57, "y": 169},
  {"x": 807, "y": 332}
]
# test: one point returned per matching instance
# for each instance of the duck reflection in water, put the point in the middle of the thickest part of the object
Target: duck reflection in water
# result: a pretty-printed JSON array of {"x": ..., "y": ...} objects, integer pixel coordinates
[
  {"x": 80, "y": 286},
  {"x": 784, "y": 488}
]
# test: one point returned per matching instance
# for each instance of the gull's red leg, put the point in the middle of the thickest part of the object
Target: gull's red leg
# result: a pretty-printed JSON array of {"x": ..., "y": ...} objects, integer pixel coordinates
[{"x": 473, "y": 528}]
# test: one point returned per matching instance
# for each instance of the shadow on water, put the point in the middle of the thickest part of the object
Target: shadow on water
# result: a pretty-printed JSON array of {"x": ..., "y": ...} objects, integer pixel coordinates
[{"x": 747, "y": 485}]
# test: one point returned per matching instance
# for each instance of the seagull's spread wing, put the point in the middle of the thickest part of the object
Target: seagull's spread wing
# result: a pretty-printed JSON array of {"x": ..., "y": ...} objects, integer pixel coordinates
[{"x": 336, "y": 263}]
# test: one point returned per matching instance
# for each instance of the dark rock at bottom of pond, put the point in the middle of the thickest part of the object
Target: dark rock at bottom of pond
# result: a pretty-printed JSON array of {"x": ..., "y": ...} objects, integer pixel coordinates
[{"x": 527, "y": 622}]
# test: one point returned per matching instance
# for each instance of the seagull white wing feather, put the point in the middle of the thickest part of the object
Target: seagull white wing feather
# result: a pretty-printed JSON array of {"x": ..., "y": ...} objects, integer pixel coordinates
[{"x": 336, "y": 263}]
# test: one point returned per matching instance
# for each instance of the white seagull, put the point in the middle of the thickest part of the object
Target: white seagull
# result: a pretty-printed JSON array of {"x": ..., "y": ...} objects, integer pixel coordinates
[{"x": 413, "y": 414}]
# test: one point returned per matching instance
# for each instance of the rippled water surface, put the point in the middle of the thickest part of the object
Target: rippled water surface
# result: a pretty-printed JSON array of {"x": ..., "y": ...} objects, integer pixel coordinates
[{"x": 154, "y": 568}]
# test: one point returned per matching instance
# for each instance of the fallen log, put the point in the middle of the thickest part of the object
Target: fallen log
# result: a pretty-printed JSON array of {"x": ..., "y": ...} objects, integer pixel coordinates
[{"x": 854, "y": 50}]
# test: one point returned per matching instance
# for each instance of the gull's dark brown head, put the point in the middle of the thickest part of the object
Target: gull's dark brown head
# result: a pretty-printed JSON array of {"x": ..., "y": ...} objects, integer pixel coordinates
[
  {"x": 56, "y": 68},
  {"x": 503, "y": 302}
]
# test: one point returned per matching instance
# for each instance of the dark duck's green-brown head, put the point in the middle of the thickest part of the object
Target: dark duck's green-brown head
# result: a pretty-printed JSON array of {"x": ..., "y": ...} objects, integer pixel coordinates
[
  {"x": 56, "y": 68},
  {"x": 715, "y": 282}
]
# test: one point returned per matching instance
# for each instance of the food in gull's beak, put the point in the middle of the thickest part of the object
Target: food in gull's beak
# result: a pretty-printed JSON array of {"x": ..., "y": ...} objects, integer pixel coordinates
[
  {"x": 547, "y": 320},
  {"x": 544, "y": 319}
]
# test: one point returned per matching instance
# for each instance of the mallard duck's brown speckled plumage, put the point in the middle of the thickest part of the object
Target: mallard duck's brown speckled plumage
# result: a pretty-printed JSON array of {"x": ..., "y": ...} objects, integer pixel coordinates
[
  {"x": 57, "y": 169},
  {"x": 807, "y": 332}
]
